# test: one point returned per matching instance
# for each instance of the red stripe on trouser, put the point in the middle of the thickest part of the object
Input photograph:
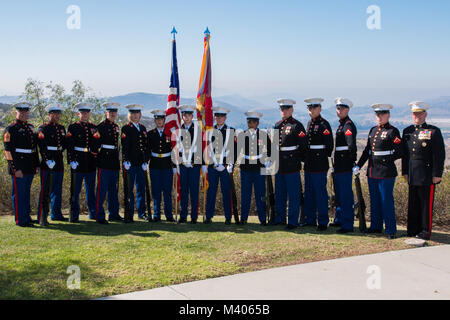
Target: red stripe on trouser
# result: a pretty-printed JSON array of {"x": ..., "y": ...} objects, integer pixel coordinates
[
  {"x": 15, "y": 199},
  {"x": 98, "y": 190},
  {"x": 42, "y": 195},
  {"x": 430, "y": 212}
]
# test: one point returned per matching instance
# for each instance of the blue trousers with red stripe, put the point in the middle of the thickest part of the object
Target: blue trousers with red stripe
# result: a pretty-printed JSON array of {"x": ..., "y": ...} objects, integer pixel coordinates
[
  {"x": 287, "y": 186},
  {"x": 382, "y": 204},
  {"x": 248, "y": 180},
  {"x": 107, "y": 184},
  {"x": 55, "y": 192},
  {"x": 20, "y": 195},
  {"x": 162, "y": 181},
  {"x": 214, "y": 177},
  {"x": 89, "y": 187},
  {"x": 189, "y": 183},
  {"x": 316, "y": 198},
  {"x": 137, "y": 176},
  {"x": 344, "y": 194}
]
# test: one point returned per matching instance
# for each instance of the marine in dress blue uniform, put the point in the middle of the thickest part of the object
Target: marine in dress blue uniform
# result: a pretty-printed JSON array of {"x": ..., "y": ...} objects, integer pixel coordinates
[
  {"x": 108, "y": 165},
  {"x": 191, "y": 162},
  {"x": 81, "y": 155},
  {"x": 422, "y": 166},
  {"x": 20, "y": 146},
  {"x": 135, "y": 158},
  {"x": 161, "y": 168},
  {"x": 384, "y": 146},
  {"x": 292, "y": 149},
  {"x": 255, "y": 158},
  {"x": 344, "y": 161},
  {"x": 52, "y": 142},
  {"x": 320, "y": 147},
  {"x": 220, "y": 166}
]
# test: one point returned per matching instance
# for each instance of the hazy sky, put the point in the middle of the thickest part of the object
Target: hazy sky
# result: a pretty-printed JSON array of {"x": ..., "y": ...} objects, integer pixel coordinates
[{"x": 304, "y": 48}]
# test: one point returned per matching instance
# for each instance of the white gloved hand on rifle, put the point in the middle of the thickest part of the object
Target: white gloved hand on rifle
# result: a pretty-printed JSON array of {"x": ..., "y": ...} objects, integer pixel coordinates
[
  {"x": 175, "y": 170},
  {"x": 144, "y": 166},
  {"x": 50, "y": 164},
  {"x": 74, "y": 165},
  {"x": 230, "y": 168},
  {"x": 355, "y": 170},
  {"x": 220, "y": 168},
  {"x": 204, "y": 169},
  {"x": 127, "y": 165}
]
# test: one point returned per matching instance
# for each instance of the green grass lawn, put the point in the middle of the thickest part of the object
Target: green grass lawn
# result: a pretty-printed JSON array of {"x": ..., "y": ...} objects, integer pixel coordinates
[{"x": 120, "y": 258}]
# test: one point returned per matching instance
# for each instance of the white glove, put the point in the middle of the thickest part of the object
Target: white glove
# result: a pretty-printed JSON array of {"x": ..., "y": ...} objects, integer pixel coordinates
[
  {"x": 332, "y": 169},
  {"x": 230, "y": 168},
  {"x": 175, "y": 170},
  {"x": 144, "y": 166},
  {"x": 50, "y": 164},
  {"x": 268, "y": 164},
  {"x": 188, "y": 165},
  {"x": 355, "y": 170},
  {"x": 74, "y": 165},
  {"x": 204, "y": 169},
  {"x": 127, "y": 165},
  {"x": 220, "y": 168}
]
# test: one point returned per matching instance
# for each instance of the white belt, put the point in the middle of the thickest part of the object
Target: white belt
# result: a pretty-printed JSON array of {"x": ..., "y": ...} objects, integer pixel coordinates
[
  {"x": 383, "y": 153},
  {"x": 161, "y": 155},
  {"x": 108, "y": 146},
  {"x": 342, "y": 148},
  {"x": 24, "y": 150},
  {"x": 289, "y": 148},
  {"x": 253, "y": 157},
  {"x": 53, "y": 148},
  {"x": 317, "y": 146},
  {"x": 81, "y": 149}
]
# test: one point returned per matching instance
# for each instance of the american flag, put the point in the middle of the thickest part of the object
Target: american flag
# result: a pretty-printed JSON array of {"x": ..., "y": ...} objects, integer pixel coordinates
[{"x": 173, "y": 118}]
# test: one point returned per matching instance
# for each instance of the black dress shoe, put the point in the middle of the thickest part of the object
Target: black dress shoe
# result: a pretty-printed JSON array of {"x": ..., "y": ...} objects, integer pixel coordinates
[
  {"x": 207, "y": 221},
  {"x": 423, "y": 235},
  {"x": 102, "y": 222},
  {"x": 182, "y": 220},
  {"x": 374, "y": 231},
  {"x": 391, "y": 236},
  {"x": 118, "y": 218},
  {"x": 194, "y": 221},
  {"x": 170, "y": 220},
  {"x": 75, "y": 221},
  {"x": 334, "y": 224},
  {"x": 243, "y": 222},
  {"x": 321, "y": 228},
  {"x": 304, "y": 224},
  {"x": 263, "y": 224},
  {"x": 343, "y": 231},
  {"x": 227, "y": 221},
  {"x": 157, "y": 219},
  {"x": 34, "y": 221},
  {"x": 60, "y": 219},
  {"x": 290, "y": 227}
]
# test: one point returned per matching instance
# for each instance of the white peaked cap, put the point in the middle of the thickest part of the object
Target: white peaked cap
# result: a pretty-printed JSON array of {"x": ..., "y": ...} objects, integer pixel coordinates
[
  {"x": 286, "y": 102},
  {"x": 381, "y": 107},
  {"x": 219, "y": 109},
  {"x": 134, "y": 107},
  {"x": 310, "y": 101},
  {"x": 253, "y": 114},
  {"x": 83, "y": 106},
  {"x": 343, "y": 101},
  {"x": 54, "y": 107},
  {"x": 418, "y": 106}
]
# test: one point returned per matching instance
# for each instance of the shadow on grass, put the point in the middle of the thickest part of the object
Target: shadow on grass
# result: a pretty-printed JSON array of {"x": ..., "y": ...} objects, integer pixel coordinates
[
  {"x": 43, "y": 281},
  {"x": 150, "y": 229}
]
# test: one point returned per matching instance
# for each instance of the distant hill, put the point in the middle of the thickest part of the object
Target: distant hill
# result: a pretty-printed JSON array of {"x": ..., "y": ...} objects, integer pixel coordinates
[{"x": 363, "y": 116}]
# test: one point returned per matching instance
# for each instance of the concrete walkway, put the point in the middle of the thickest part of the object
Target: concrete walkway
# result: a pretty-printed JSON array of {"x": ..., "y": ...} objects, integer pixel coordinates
[{"x": 420, "y": 273}]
